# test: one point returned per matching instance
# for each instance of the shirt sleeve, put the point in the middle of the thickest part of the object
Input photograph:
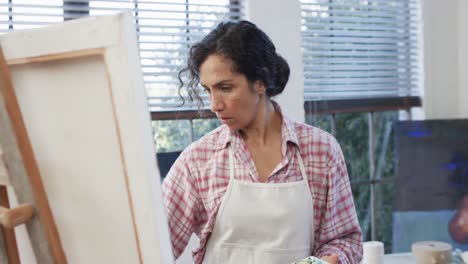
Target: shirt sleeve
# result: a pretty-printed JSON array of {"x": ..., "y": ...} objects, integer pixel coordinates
[
  {"x": 181, "y": 202},
  {"x": 339, "y": 232}
]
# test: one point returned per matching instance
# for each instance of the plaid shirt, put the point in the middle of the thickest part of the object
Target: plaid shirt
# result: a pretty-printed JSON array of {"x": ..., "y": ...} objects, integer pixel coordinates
[{"x": 194, "y": 187}]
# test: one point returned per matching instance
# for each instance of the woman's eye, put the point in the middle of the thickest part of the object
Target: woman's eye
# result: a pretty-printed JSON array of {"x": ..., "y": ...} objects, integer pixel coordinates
[{"x": 226, "y": 88}]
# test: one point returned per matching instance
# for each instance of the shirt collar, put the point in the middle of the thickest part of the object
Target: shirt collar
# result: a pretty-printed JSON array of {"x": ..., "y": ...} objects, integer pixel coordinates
[
  {"x": 288, "y": 129},
  {"x": 288, "y": 132},
  {"x": 225, "y": 137}
]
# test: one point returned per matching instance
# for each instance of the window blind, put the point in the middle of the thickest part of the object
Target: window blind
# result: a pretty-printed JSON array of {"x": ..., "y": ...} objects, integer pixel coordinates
[
  {"x": 166, "y": 30},
  {"x": 361, "y": 49}
]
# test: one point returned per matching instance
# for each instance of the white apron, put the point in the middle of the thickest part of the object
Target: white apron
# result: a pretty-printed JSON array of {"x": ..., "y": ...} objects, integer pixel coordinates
[{"x": 262, "y": 222}]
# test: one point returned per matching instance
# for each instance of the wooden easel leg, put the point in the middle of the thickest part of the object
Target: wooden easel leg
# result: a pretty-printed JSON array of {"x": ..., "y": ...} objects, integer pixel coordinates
[
  {"x": 3, "y": 250},
  {"x": 8, "y": 235}
]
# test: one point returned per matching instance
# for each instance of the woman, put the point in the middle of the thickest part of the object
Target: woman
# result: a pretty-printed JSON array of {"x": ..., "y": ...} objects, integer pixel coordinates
[{"x": 260, "y": 188}]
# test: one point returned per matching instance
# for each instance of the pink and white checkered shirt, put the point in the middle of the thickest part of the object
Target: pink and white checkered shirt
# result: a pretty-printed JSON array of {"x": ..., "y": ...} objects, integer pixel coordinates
[{"x": 194, "y": 187}]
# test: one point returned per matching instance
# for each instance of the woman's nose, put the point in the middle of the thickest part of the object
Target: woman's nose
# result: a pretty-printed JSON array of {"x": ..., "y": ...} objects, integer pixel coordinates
[{"x": 217, "y": 104}]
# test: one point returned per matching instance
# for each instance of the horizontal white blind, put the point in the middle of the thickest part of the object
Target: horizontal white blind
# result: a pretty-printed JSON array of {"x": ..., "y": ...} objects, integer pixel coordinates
[
  {"x": 361, "y": 49},
  {"x": 166, "y": 30}
]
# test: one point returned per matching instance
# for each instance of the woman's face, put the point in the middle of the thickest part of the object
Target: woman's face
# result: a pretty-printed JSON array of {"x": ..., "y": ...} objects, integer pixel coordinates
[{"x": 233, "y": 98}]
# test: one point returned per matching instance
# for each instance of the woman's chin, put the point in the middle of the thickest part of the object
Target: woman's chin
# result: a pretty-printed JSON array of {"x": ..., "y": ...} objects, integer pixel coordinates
[{"x": 232, "y": 125}]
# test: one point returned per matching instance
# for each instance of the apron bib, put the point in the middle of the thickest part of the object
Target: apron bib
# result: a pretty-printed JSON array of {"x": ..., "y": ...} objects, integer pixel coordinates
[{"x": 262, "y": 222}]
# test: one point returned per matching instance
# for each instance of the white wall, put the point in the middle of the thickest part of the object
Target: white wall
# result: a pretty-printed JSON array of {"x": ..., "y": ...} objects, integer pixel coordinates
[
  {"x": 463, "y": 57},
  {"x": 440, "y": 58},
  {"x": 445, "y": 58},
  {"x": 281, "y": 20}
]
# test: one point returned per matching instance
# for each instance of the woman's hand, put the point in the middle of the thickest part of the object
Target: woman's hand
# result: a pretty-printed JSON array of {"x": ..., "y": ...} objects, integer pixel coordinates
[{"x": 332, "y": 259}]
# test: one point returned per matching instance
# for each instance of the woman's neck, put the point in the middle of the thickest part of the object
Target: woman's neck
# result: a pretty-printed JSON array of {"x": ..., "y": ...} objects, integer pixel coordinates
[{"x": 266, "y": 125}]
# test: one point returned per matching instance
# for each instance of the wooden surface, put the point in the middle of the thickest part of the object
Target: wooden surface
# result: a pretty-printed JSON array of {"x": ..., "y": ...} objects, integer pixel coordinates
[
  {"x": 89, "y": 126},
  {"x": 4, "y": 177},
  {"x": 8, "y": 235}
]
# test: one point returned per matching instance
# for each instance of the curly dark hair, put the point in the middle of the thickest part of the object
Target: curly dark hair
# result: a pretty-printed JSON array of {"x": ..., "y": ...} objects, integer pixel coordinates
[{"x": 250, "y": 50}]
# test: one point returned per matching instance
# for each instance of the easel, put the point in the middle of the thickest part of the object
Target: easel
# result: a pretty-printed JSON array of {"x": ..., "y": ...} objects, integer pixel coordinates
[
  {"x": 9, "y": 219},
  {"x": 18, "y": 161}
]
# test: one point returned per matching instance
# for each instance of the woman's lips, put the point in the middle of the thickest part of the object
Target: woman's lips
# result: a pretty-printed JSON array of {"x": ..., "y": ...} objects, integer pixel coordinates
[{"x": 225, "y": 119}]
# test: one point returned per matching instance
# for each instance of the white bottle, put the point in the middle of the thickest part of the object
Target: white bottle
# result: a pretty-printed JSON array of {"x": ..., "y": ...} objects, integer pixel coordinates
[{"x": 373, "y": 252}]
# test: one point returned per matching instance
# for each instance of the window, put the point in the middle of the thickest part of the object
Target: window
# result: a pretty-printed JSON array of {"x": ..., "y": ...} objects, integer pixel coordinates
[
  {"x": 360, "y": 49},
  {"x": 362, "y": 63},
  {"x": 166, "y": 29}
]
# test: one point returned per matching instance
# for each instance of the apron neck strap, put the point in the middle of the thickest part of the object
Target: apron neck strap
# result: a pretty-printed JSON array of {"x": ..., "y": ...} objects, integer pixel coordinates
[
  {"x": 301, "y": 166},
  {"x": 231, "y": 163}
]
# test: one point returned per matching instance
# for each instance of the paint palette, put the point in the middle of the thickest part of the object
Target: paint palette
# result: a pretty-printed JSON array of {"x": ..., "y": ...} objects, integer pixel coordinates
[
  {"x": 311, "y": 260},
  {"x": 464, "y": 257}
]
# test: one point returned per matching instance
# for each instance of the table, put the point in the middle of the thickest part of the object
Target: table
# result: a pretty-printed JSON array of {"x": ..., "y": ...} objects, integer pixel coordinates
[
  {"x": 398, "y": 258},
  {"x": 404, "y": 258}
]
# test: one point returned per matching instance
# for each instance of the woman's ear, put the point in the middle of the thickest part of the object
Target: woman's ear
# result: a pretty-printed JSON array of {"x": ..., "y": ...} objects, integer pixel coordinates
[{"x": 260, "y": 87}]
